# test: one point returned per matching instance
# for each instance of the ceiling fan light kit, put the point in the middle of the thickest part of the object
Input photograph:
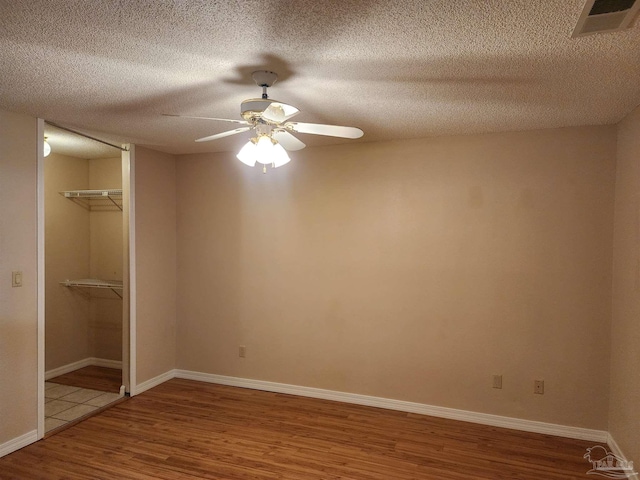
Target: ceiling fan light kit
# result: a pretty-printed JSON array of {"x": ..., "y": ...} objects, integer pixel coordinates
[
  {"x": 264, "y": 150},
  {"x": 272, "y": 131}
]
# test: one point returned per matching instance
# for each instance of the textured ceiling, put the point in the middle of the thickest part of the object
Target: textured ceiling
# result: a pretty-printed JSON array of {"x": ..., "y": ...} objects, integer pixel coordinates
[{"x": 399, "y": 69}]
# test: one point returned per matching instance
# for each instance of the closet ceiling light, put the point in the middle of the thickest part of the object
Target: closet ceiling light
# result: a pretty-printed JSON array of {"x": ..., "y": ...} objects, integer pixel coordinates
[{"x": 47, "y": 147}]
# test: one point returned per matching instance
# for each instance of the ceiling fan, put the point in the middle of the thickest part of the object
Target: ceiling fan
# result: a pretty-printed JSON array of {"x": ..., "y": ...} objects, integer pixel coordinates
[{"x": 269, "y": 119}]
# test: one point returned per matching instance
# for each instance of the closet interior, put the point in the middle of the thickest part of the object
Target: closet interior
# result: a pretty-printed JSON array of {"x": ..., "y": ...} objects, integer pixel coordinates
[{"x": 84, "y": 271}]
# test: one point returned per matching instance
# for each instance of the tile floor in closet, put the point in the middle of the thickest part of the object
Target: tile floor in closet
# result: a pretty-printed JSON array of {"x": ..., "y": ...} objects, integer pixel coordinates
[{"x": 65, "y": 404}]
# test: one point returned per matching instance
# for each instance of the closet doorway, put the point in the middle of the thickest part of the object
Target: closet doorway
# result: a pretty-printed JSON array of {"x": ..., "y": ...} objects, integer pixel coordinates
[{"x": 86, "y": 298}]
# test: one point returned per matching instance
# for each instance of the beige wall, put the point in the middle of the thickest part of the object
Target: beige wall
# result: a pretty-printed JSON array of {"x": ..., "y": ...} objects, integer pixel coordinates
[
  {"x": 106, "y": 262},
  {"x": 409, "y": 270},
  {"x": 66, "y": 258},
  {"x": 18, "y": 306},
  {"x": 624, "y": 422},
  {"x": 412, "y": 270},
  {"x": 155, "y": 230}
]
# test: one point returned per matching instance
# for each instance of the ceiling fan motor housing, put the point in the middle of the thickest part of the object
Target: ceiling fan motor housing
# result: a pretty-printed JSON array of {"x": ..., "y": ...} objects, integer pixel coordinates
[{"x": 252, "y": 108}]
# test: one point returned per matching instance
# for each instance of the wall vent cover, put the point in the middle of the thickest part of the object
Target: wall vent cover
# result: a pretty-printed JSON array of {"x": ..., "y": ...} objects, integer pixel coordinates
[{"x": 599, "y": 16}]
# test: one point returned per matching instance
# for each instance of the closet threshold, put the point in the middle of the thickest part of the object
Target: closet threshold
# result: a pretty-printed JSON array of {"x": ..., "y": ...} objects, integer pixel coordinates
[{"x": 113, "y": 285}]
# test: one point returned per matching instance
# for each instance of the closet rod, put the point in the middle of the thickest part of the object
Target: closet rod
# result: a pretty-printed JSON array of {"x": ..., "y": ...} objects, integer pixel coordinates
[{"x": 86, "y": 136}]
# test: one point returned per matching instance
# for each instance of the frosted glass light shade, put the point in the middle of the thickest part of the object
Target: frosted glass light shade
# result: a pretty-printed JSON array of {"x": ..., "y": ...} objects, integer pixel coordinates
[
  {"x": 247, "y": 154},
  {"x": 264, "y": 150},
  {"x": 47, "y": 148},
  {"x": 280, "y": 156}
]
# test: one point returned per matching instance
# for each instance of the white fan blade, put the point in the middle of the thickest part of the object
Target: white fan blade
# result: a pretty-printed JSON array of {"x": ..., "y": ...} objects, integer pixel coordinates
[
  {"x": 329, "y": 130},
  {"x": 241, "y": 122},
  {"x": 279, "y": 112},
  {"x": 288, "y": 141},
  {"x": 223, "y": 134}
]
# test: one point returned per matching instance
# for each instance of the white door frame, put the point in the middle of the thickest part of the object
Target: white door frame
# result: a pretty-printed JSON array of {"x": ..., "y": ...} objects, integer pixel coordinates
[
  {"x": 40, "y": 273},
  {"x": 129, "y": 257},
  {"x": 129, "y": 336}
]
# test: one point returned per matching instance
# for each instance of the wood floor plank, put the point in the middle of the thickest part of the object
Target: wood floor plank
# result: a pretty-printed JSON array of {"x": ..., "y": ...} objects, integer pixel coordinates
[
  {"x": 92, "y": 377},
  {"x": 189, "y": 430}
]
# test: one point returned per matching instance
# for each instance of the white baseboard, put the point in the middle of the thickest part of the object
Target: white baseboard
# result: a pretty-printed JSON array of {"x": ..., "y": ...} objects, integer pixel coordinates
[
  {"x": 400, "y": 405},
  {"x": 70, "y": 367},
  {"x": 617, "y": 451},
  {"x": 106, "y": 363},
  {"x": 152, "y": 382},
  {"x": 86, "y": 362},
  {"x": 599, "y": 436},
  {"x": 19, "y": 442}
]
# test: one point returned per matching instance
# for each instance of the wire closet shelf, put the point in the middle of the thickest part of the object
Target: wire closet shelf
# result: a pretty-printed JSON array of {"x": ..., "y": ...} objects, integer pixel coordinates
[
  {"x": 95, "y": 199},
  {"x": 113, "y": 285}
]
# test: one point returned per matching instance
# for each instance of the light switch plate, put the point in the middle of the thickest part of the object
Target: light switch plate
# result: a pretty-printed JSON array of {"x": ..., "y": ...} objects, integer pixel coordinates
[{"x": 16, "y": 279}]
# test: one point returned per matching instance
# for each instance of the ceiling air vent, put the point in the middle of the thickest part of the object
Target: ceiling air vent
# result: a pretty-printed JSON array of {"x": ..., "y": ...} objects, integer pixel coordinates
[{"x": 600, "y": 16}]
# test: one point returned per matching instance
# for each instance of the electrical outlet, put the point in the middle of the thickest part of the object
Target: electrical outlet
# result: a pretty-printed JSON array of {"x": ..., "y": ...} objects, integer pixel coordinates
[
  {"x": 538, "y": 387},
  {"x": 497, "y": 381},
  {"x": 242, "y": 351}
]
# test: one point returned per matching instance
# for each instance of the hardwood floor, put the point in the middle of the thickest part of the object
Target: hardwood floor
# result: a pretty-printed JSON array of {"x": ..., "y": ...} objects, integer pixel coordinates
[
  {"x": 94, "y": 378},
  {"x": 185, "y": 430}
]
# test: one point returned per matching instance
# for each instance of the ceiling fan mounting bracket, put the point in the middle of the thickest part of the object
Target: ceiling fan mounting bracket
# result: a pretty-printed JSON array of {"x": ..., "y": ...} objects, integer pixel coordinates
[{"x": 264, "y": 78}]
